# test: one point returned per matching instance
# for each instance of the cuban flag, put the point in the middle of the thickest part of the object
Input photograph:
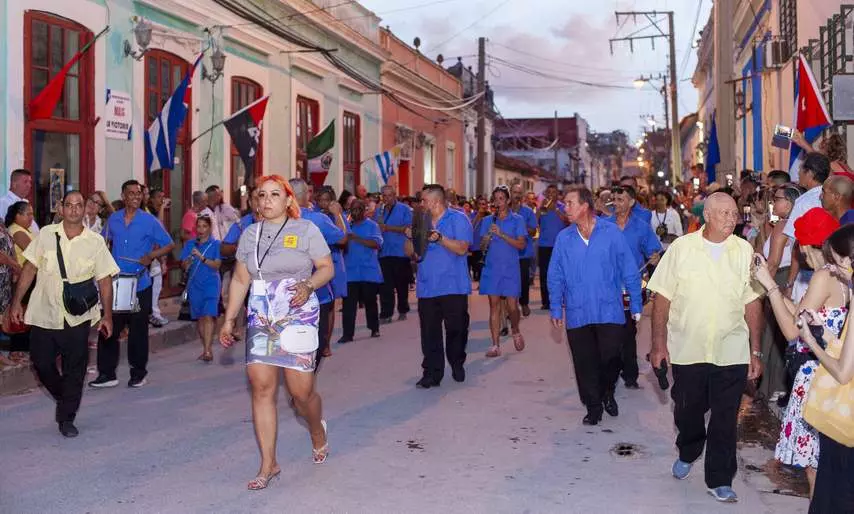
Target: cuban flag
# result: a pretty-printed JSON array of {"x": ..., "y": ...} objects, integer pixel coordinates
[
  {"x": 162, "y": 136},
  {"x": 811, "y": 114},
  {"x": 384, "y": 164}
]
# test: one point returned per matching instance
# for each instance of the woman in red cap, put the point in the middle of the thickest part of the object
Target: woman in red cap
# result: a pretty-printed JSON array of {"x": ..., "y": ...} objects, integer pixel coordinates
[{"x": 828, "y": 296}]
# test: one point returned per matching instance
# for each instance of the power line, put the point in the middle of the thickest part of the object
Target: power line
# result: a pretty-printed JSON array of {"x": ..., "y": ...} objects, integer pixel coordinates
[
  {"x": 531, "y": 71},
  {"x": 295, "y": 15},
  {"x": 569, "y": 64},
  {"x": 390, "y": 11},
  {"x": 685, "y": 58}
]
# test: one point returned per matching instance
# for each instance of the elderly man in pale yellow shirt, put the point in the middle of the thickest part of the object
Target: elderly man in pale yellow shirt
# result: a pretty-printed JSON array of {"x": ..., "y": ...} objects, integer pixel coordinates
[
  {"x": 707, "y": 322},
  {"x": 55, "y": 332}
]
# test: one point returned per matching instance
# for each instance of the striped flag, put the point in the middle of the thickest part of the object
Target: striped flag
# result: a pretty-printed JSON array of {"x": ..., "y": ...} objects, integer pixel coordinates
[
  {"x": 811, "y": 114},
  {"x": 162, "y": 136},
  {"x": 384, "y": 164}
]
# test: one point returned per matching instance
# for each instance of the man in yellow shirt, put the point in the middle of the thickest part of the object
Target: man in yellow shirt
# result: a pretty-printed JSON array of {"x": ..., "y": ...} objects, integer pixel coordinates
[
  {"x": 55, "y": 332},
  {"x": 707, "y": 323}
]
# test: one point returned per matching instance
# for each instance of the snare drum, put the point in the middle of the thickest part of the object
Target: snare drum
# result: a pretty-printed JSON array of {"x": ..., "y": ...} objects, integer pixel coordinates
[{"x": 125, "y": 300}]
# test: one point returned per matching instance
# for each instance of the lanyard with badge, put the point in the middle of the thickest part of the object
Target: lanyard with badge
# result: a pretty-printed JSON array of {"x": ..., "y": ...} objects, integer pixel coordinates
[{"x": 259, "y": 286}]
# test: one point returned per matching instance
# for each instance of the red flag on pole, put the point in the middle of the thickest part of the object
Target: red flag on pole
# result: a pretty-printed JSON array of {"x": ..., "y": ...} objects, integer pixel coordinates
[{"x": 43, "y": 105}]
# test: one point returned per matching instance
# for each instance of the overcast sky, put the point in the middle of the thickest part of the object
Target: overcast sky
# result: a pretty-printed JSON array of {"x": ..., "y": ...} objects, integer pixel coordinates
[{"x": 561, "y": 38}]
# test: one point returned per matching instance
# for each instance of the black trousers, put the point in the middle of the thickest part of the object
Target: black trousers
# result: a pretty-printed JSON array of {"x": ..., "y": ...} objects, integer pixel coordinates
[
  {"x": 544, "y": 256},
  {"x": 322, "y": 333},
  {"x": 137, "y": 324},
  {"x": 72, "y": 345},
  {"x": 396, "y": 273},
  {"x": 698, "y": 388},
  {"x": 834, "y": 483},
  {"x": 630, "y": 351},
  {"x": 525, "y": 273},
  {"x": 364, "y": 293},
  {"x": 452, "y": 311},
  {"x": 475, "y": 265},
  {"x": 596, "y": 360}
]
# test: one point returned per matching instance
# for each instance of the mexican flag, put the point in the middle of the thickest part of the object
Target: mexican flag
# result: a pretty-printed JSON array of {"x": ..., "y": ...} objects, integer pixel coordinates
[{"x": 319, "y": 152}]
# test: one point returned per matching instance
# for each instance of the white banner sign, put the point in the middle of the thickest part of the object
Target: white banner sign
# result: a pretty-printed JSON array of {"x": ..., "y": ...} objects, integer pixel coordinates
[{"x": 118, "y": 115}]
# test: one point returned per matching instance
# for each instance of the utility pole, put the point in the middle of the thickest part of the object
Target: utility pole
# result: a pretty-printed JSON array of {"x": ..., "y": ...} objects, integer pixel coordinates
[
  {"x": 675, "y": 141},
  {"x": 724, "y": 13},
  {"x": 480, "y": 187},
  {"x": 557, "y": 148}
]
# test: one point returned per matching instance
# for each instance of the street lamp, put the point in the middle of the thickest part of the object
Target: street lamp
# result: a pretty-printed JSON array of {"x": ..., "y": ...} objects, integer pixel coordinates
[{"x": 142, "y": 34}]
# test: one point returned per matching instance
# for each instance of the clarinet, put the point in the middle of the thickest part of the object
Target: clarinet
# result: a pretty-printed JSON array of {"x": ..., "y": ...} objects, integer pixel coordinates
[{"x": 485, "y": 242}]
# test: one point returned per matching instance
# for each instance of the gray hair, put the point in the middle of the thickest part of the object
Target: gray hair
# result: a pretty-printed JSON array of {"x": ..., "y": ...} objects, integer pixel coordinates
[
  {"x": 198, "y": 197},
  {"x": 299, "y": 186},
  {"x": 387, "y": 187}
]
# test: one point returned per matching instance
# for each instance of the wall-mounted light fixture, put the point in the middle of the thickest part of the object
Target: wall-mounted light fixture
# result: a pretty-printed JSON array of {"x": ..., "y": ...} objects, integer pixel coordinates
[
  {"x": 142, "y": 35},
  {"x": 217, "y": 59}
]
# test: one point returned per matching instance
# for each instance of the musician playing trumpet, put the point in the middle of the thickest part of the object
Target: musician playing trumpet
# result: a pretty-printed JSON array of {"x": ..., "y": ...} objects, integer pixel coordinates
[
  {"x": 552, "y": 220},
  {"x": 502, "y": 238}
]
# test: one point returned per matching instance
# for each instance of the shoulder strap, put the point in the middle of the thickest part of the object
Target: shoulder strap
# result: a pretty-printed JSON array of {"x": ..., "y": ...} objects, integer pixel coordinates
[{"x": 60, "y": 260}]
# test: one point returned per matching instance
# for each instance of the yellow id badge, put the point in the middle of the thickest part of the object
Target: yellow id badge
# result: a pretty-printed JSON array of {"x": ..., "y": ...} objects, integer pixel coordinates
[{"x": 290, "y": 241}]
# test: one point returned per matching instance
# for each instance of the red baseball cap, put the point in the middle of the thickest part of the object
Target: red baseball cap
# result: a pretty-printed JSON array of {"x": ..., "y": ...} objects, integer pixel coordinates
[{"x": 814, "y": 227}]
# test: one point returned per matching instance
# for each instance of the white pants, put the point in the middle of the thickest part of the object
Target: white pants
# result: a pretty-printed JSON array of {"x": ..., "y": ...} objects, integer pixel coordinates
[{"x": 157, "y": 286}]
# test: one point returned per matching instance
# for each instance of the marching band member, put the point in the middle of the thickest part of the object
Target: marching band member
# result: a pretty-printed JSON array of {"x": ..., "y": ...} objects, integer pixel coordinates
[
  {"x": 443, "y": 286},
  {"x": 644, "y": 245},
  {"x": 133, "y": 235},
  {"x": 502, "y": 237},
  {"x": 393, "y": 218},
  {"x": 327, "y": 205},
  {"x": 552, "y": 220},
  {"x": 363, "y": 272},
  {"x": 527, "y": 255}
]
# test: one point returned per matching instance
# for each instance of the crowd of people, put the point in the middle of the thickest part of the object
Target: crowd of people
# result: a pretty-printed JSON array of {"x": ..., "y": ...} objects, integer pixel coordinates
[{"x": 749, "y": 279}]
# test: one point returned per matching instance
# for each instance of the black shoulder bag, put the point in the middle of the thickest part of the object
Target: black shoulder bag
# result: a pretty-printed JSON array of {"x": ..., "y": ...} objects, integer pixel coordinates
[{"x": 79, "y": 297}]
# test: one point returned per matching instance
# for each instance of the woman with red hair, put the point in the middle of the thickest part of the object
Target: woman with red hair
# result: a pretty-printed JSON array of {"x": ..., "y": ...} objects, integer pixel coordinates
[{"x": 281, "y": 261}]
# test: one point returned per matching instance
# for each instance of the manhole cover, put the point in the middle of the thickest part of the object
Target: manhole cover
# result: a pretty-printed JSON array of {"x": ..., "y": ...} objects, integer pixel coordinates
[{"x": 626, "y": 451}]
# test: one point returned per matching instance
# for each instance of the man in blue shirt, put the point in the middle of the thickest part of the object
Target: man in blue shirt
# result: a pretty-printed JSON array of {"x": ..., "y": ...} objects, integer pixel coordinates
[
  {"x": 645, "y": 246},
  {"x": 552, "y": 220},
  {"x": 393, "y": 219},
  {"x": 363, "y": 272},
  {"x": 442, "y": 288},
  {"x": 133, "y": 235},
  {"x": 590, "y": 267},
  {"x": 638, "y": 209},
  {"x": 333, "y": 235},
  {"x": 525, "y": 256}
]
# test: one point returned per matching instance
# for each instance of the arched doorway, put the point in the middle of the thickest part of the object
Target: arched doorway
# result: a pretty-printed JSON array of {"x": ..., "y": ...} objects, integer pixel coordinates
[
  {"x": 62, "y": 146},
  {"x": 163, "y": 73}
]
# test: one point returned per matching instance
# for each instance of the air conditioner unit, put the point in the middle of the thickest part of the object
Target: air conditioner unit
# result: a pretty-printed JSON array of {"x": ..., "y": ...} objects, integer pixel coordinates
[{"x": 776, "y": 53}]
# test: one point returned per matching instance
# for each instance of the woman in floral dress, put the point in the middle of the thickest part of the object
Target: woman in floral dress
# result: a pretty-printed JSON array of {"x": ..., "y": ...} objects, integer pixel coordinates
[
  {"x": 798, "y": 444},
  {"x": 8, "y": 269}
]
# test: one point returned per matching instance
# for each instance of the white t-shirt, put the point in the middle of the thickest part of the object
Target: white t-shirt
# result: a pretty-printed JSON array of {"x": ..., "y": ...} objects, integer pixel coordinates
[
  {"x": 715, "y": 249},
  {"x": 7, "y": 200},
  {"x": 809, "y": 200},
  {"x": 669, "y": 219}
]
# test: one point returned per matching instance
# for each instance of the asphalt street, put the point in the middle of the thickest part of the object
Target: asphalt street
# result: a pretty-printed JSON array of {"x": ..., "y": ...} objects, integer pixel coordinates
[{"x": 509, "y": 439}]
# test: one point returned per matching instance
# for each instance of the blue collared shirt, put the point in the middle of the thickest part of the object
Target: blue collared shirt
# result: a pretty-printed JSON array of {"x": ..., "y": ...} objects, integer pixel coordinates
[
  {"x": 588, "y": 279},
  {"x": 363, "y": 263},
  {"x": 135, "y": 241},
  {"x": 641, "y": 238},
  {"x": 400, "y": 215},
  {"x": 233, "y": 235},
  {"x": 443, "y": 272},
  {"x": 475, "y": 244},
  {"x": 642, "y": 212},
  {"x": 530, "y": 218},
  {"x": 550, "y": 225},
  {"x": 332, "y": 235}
]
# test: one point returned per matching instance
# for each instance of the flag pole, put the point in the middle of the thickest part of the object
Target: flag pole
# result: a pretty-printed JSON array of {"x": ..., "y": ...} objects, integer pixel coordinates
[{"x": 220, "y": 122}]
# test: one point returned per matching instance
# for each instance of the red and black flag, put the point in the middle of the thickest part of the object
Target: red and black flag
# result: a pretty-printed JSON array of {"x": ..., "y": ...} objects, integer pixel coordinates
[{"x": 244, "y": 127}]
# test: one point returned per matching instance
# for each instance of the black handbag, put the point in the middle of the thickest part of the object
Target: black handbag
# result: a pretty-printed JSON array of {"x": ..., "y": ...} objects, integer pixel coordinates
[{"x": 79, "y": 297}]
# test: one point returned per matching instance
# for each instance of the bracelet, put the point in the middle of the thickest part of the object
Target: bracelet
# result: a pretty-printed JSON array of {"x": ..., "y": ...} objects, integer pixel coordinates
[{"x": 775, "y": 288}]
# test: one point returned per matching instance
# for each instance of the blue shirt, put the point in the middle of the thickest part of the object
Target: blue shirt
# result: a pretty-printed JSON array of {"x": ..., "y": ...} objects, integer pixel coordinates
[
  {"x": 442, "y": 272},
  {"x": 500, "y": 250},
  {"x": 642, "y": 212},
  {"x": 847, "y": 218},
  {"x": 134, "y": 241},
  {"x": 475, "y": 243},
  {"x": 202, "y": 277},
  {"x": 332, "y": 235},
  {"x": 233, "y": 235},
  {"x": 529, "y": 217},
  {"x": 400, "y": 215},
  {"x": 550, "y": 224},
  {"x": 363, "y": 263},
  {"x": 339, "y": 281},
  {"x": 588, "y": 280},
  {"x": 641, "y": 238}
]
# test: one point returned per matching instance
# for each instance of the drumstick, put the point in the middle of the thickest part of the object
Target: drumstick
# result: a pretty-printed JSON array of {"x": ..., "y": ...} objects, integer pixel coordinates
[{"x": 130, "y": 260}]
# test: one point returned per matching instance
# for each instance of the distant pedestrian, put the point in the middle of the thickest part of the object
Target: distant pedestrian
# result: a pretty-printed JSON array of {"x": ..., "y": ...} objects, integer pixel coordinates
[
  {"x": 393, "y": 218},
  {"x": 20, "y": 187},
  {"x": 201, "y": 259},
  {"x": 526, "y": 256},
  {"x": 363, "y": 272},
  {"x": 707, "y": 323},
  {"x": 19, "y": 220},
  {"x": 82, "y": 257},
  {"x": 552, "y": 220}
]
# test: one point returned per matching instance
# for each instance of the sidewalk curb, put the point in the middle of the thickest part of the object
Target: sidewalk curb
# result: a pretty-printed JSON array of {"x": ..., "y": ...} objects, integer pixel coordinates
[{"x": 21, "y": 379}]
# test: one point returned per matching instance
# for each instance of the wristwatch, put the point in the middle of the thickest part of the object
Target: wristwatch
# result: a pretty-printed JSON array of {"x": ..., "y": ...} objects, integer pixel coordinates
[{"x": 757, "y": 354}]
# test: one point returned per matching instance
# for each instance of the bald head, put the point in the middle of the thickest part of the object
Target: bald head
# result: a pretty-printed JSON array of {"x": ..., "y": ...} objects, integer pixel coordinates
[
  {"x": 721, "y": 214},
  {"x": 718, "y": 201},
  {"x": 836, "y": 194}
]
